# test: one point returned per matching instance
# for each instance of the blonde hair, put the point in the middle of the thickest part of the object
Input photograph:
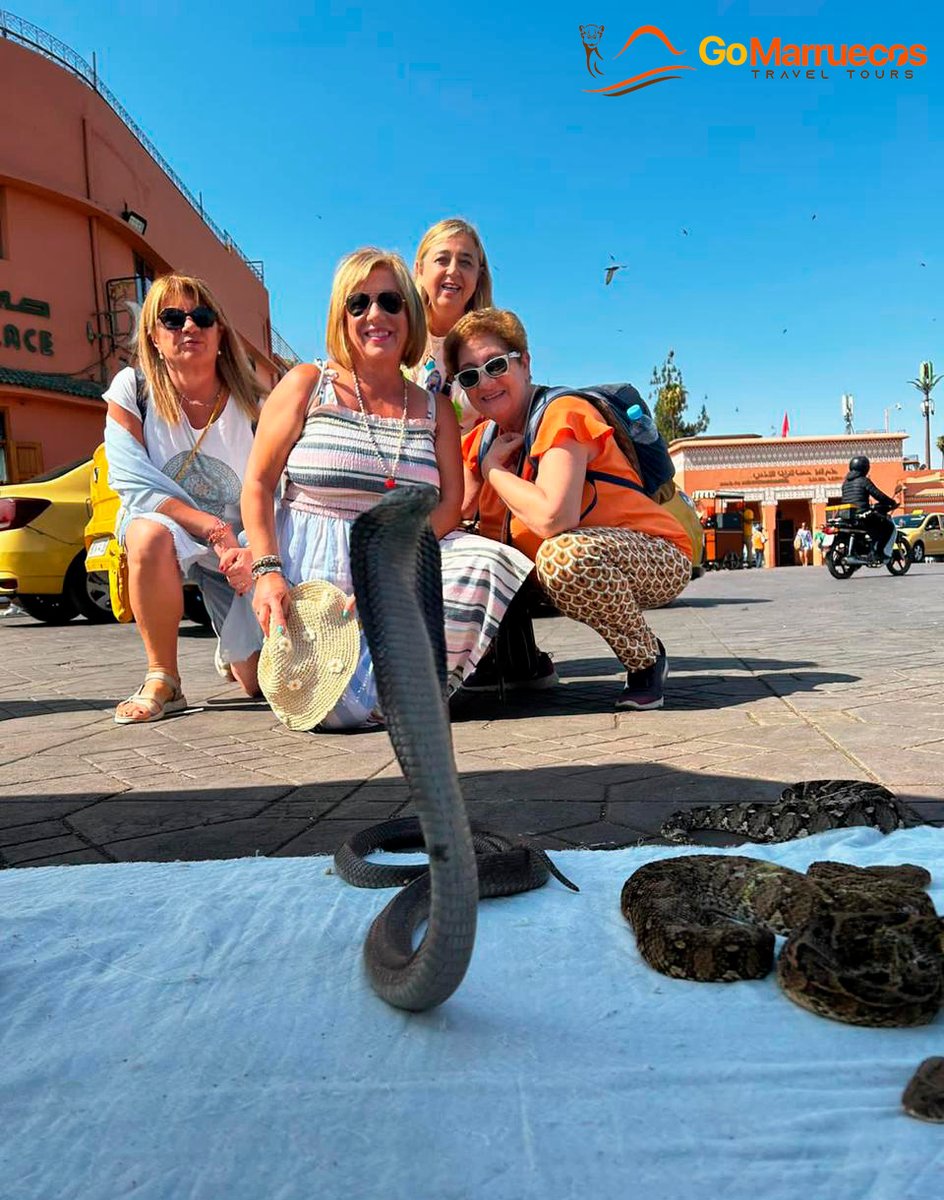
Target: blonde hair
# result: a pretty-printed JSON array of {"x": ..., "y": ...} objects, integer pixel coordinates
[
  {"x": 456, "y": 227},
  {"x": 350, "y": 275},
  {"x": 232, "y": 363},
  {"x": 497, "y": 322}
]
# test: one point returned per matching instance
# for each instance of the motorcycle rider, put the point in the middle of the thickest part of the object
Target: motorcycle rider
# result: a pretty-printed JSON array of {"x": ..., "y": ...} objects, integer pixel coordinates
[{"x": 856, "y": 489}]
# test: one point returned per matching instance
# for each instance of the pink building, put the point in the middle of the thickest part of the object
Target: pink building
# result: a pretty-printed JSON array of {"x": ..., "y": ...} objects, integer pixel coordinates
[{"x": 89, "y": 215}]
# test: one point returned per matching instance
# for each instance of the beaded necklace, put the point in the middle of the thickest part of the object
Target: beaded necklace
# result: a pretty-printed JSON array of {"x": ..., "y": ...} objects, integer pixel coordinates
[{"x": 391, "y": 480}]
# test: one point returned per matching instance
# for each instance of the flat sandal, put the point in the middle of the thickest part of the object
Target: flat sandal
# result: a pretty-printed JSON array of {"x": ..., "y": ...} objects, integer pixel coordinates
[{"x": 158, "y": 709}]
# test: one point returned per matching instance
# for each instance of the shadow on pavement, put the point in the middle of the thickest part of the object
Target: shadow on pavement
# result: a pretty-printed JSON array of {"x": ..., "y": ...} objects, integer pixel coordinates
[
  {"x": 577, "y": 694},
  {"x": 602, "y": 806}
]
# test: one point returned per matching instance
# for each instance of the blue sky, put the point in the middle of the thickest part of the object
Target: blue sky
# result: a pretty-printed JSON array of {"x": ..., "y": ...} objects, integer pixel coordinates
[{"x": 313, "y": 128}]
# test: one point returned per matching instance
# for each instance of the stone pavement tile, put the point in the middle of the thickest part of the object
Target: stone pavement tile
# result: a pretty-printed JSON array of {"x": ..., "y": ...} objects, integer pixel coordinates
[
  {"x": 312, "y": 803},
  {"x": 87, "y": 786},
  {"x": 526, "y": 817},
  {"x": 110, "y": 820},
  {"x": 69, "y": 858},
  {"x": 597, "y": 835},
  {"x": 37, "y": 811},
  {"x": 45, "y": 850},
  {"x": 514, "y": 787},
  {"x": 33, "y": 831},
  {"x": 371, "y": 804},
  {"x": 40, "y": 768},
  {"x": 226, "y": 839},
  {"x": 324, "y": 837}
]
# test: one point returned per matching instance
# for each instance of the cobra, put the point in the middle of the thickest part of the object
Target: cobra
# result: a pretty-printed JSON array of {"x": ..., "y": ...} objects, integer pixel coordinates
[{"x": 398, "y": 584}]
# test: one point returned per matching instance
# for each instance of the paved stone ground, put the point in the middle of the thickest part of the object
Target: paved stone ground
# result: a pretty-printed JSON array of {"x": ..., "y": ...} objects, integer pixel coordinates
[{"x": 776, "y": 676}]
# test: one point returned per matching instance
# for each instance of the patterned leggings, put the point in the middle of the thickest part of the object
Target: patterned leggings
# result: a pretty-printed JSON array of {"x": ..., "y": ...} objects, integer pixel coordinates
[{"x": 605, "y": 577}]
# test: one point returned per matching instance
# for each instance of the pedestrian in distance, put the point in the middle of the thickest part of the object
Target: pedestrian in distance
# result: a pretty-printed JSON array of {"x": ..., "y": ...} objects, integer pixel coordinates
[
  {"x": 803, "y": 544},
  {"x": 758, "y": 542}
]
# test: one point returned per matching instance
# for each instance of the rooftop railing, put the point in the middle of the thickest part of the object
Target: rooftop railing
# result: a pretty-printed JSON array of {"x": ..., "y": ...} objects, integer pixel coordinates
[{"x": 18, "y": 30}]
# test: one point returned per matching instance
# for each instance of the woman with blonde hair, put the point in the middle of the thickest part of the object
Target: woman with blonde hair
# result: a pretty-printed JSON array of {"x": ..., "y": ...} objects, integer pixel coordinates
[
  {"x": 342, "y": 433},
  {"x": 453, "y": 277},
  {"x": 177, "y": 437}
]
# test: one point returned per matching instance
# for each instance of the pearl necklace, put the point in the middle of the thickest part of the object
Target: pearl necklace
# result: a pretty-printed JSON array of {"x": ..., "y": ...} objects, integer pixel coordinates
[{"x": 390, "y": 481}]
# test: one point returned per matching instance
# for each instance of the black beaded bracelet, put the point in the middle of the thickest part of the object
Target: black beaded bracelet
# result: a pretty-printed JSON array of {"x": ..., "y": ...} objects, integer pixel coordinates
[
  {"x": 271, "y": 569},
  {"x": 266, "y": 565}
]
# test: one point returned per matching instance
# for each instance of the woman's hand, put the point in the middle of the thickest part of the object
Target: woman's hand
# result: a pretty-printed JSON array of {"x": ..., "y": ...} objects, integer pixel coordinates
[
  {"x": 271, "y": 602},
  {"x": 503, "y": 453},
  {"x": 236, "y": 565}
]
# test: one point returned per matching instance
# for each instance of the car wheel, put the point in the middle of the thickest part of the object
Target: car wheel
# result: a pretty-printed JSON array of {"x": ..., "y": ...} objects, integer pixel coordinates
[
  {"x": 89, "y": 593},
  {"x": 917, "y": 552},
  {"x": 51, "y": 610}
]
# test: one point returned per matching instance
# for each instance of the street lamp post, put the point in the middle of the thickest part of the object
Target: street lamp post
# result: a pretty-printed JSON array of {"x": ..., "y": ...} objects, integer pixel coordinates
[{"x": 897, "y": 408}]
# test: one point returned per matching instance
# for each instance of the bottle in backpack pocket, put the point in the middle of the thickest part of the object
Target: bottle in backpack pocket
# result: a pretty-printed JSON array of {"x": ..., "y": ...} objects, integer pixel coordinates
[{"x": 642, "y": 428}]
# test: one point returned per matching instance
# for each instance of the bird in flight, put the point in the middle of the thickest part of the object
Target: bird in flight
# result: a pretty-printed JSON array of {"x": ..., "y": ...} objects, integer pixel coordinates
[
  {"x": 813, "y": 218},
  {"x": 611, "y": 271},
  {"x": 922, "y": 264},
  {"x": 783, "y": 330},
  {"x": 684, "y": 233}
]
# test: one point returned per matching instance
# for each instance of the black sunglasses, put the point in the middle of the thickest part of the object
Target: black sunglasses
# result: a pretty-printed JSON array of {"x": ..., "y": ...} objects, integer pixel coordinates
[
  {"x": 359, "y": 302},
  {"x": 176, "y": 318},
  {"x": 494, "y": 368}
]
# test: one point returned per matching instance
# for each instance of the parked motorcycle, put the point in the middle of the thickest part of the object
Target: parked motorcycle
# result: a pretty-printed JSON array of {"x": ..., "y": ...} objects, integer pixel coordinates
[{"x": 851, "y": 546}]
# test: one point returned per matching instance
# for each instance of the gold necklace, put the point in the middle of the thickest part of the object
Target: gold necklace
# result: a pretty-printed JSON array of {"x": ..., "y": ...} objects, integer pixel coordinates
[
  {"x": 391, "y": 480},
  {"x": 203, "y": 404}
]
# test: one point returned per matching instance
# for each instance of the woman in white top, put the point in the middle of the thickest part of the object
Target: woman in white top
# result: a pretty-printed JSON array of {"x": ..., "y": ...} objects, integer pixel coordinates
[
  {"x": 190, "y": 411},
  {"x": 452, "y": 277}
]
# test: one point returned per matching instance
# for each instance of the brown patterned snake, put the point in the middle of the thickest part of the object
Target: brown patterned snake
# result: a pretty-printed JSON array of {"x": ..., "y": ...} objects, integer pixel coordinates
[{"x": 864, "y": 944}]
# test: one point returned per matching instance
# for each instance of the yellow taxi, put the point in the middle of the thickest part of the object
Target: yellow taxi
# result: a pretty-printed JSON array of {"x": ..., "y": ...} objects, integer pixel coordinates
[
  {"x": 42, "y": 549},
  {"x": 925, "y": 533},
  {"x": 103, "y": 509}
]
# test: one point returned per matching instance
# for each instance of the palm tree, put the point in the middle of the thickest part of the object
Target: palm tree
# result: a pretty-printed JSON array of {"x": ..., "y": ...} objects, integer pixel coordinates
[{"x": 940, "y": 445}]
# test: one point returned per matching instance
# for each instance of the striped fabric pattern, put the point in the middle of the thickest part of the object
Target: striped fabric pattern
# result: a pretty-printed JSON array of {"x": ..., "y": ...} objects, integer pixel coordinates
[{"x": 332, "y": 475}]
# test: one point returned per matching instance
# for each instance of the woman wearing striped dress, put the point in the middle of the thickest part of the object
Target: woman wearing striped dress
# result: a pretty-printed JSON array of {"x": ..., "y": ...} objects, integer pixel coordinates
[{"x": 341, "y": 433}]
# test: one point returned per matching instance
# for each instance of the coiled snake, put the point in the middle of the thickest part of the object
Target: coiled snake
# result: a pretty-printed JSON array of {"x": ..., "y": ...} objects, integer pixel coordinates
[{"x": 398, "y": 584}]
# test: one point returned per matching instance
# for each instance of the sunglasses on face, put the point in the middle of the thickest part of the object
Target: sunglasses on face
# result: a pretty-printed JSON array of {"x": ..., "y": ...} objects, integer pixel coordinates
[
  {"x": 176, "y": 318},
  {"x": 494, "y": 368},
  {"x": 359, "y": 302}
]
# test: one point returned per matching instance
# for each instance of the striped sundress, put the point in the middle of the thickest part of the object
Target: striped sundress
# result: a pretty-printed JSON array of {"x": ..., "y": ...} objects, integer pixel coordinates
[{"x": 332, "y": 475}]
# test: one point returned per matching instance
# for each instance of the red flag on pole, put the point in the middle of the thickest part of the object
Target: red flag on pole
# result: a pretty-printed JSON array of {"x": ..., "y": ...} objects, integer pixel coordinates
[{"x": 785, "y": 428}]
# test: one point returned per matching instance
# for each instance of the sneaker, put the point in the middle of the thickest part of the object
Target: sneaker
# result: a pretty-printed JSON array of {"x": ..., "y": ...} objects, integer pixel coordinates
[
  {"x": 643, "y": 688},
  {"x": 485, "y": 677},
  {"x": 223, "y": 669}
]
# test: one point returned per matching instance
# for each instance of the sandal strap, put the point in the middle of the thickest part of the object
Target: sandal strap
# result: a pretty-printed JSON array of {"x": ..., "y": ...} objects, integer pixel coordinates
[
  {"x": 172, "y": 681},
  {"x": 151, "y": 703}
]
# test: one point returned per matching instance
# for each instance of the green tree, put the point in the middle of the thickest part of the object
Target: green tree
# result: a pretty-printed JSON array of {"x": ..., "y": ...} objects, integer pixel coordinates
[
  {"x": 668, "y": 399},
  {"x": 940, "y": 445}
]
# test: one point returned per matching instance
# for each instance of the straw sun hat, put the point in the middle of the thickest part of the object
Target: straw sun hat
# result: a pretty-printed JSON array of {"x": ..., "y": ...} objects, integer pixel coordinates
[{"x": 303, "y": 674}]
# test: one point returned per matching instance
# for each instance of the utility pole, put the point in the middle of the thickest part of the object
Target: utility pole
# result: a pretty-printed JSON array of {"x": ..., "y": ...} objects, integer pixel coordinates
[{"x": 925, "y": 383}]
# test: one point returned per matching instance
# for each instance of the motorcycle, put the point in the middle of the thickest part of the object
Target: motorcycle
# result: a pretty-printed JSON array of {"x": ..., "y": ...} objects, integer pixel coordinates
[{"x": 851, "y": 546}]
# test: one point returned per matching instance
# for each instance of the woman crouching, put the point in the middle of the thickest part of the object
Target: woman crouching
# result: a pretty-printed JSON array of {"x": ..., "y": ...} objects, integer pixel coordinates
[{"x": 603, "y": 552}]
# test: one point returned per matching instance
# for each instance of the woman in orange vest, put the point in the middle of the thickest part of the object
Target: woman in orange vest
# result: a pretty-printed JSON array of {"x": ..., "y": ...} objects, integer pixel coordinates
[{"x": 603, "y": 552}]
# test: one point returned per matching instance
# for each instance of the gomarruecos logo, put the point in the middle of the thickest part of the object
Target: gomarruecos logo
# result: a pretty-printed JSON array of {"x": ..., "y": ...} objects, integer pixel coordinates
[{"x": 789, "y": 60}]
